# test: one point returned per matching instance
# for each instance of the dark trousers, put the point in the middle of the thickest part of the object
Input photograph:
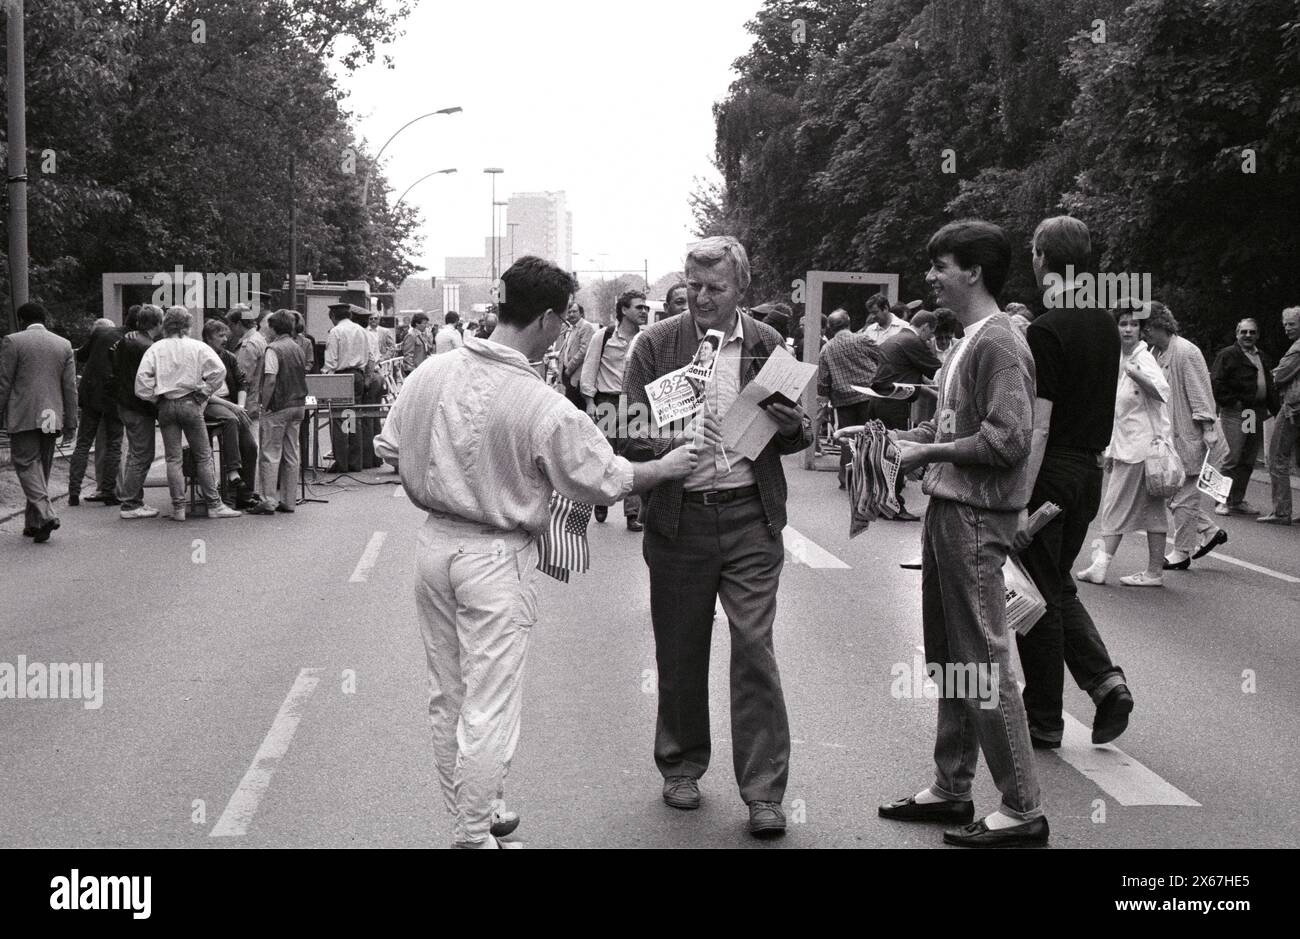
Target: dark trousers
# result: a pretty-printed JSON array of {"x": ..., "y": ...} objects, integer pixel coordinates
[
  {"x": 139, "y": 456},
  {"x": 238, "y": 446},
  {"x": 88, "y": 428},
  {"x": 720, "y": 552},
  {"x": 850, "y": 415},
  {"x": 348, "y": 431},
  {"x": 575, "y": 396},
  {"x": 607, "y": 400},
  {"x": 1066, "y": 635},
  {"x": 33, "y": 455},
  {"x": 1243, "y": 431}
]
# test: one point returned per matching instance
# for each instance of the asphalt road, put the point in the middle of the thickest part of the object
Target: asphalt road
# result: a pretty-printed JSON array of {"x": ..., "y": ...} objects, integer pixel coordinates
[{"x": 265, "y": 657}]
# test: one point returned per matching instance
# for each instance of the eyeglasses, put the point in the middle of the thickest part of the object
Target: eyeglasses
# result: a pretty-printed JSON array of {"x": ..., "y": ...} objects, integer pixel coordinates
[
  {"x": 643, "y": 308},
  {"x": 1246, "y": 332}
]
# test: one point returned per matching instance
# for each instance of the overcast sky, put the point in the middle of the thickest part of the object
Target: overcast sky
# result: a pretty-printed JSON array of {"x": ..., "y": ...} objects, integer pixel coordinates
[{"x": 607, "y": 100}]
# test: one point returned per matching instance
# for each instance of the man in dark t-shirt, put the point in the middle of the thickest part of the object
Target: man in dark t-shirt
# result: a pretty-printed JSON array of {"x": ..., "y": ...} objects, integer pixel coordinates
[{"x": 1076, "y": 351}]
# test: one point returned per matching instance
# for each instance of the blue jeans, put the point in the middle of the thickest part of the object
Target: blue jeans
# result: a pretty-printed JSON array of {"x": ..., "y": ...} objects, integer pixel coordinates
[
  {"x": 964, "y": 618},
  {"x": 184, "y": 416},
  {"x": 139, "y": 456}
]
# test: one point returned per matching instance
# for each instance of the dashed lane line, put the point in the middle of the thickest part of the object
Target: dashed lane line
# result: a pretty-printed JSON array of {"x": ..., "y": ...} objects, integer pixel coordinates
[
  {"x": 241, "y": 808},
  {"x": 369, "y": 558}
]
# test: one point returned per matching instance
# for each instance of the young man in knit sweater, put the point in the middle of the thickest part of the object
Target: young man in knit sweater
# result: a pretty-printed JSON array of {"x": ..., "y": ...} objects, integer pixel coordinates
[{"x": 978, "y": 484}]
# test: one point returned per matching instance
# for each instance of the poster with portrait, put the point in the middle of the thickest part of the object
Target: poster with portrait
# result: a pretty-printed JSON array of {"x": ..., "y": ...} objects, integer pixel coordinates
[{"x": 706, "y": 357}]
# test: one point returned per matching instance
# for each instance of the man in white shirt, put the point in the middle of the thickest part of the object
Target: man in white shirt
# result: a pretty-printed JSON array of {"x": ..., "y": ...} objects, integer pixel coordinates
[
  {"x": 481, "y": 443},
  {"x": 348, "y": 351},
  {"x": 181, "y": 374},
  {"x": 883, "y": 323},
  {"x": 448, "y": 336},
  {"x": 602, "y": 378}
]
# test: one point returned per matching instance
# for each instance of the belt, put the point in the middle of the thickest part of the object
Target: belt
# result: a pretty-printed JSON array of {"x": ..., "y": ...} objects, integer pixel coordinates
[{"x": 721, "y": 496}]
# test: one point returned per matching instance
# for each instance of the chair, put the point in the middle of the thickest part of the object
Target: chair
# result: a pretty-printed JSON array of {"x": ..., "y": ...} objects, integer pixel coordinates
[{"x": 219, "y": 462}]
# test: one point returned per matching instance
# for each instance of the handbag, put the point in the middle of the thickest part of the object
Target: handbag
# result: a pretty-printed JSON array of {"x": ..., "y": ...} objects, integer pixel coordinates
[{"x": 1162, "y": 469}]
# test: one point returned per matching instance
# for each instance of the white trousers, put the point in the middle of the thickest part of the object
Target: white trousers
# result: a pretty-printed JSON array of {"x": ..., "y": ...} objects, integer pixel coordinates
[
  {"x": 1191, "y": 521},
  {"x": 476, "y": 597}
]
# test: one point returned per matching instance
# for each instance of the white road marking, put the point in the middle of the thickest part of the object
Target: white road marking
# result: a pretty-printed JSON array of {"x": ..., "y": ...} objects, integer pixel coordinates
[
  {"x": 1113, "y": 771},
  {"x": 242, "y": 806},
  {"x": 369, "y": 557},
  {"x": 398, "y": 492},
  {"x": 1285, "y": 578},
  {"x": 809, "y": 553}
]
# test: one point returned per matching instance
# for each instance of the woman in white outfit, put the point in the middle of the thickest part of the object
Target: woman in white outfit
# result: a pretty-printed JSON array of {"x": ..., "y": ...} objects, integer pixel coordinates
[{"x": 1141, "y": 415}]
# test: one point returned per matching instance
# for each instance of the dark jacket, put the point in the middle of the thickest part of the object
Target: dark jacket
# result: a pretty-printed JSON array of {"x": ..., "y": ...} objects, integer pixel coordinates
[
  {"x": 234, "y": 383},
  {"x": 1235, "y": 380},
  {"x": 96, "y": 358},
  {"x": 290, "y": 379},
  {"x": 125, "y": 362},
  {"x": 905, "y": 359},
  {"x": 668, "y": 345}
]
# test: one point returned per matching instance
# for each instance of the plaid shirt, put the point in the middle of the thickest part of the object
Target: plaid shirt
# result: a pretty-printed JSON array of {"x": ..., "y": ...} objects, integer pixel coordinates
[
  {"x": 848, "y": 359},
  {"x": 668, "y": 345}
]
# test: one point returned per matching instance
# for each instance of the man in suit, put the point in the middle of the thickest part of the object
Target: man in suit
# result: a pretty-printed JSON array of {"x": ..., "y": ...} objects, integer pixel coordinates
[
  {"x": 716, "y": 535},
  {"x": 38, "y": 400},
  {"x": 573, "y": 352},
  {"x": 98, "y": 413}
]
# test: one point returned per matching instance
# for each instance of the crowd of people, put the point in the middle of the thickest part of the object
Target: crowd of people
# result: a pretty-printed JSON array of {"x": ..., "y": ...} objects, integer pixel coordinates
[{"x": 997, "y": 410}]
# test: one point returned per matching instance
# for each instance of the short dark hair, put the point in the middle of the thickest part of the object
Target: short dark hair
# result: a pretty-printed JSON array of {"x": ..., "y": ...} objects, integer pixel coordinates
[
  {"x": 625, "y": 300},
  {"x": 419, "y": 318},
  {"x": 924, "y": 318},
  {"x": 533, "y": 286},
  {"x": 235, "y": 318},
  {"x": 128, "y": 320},
  {"x": 877, "y": 302},
  {"x": 1064, "y": 241},
  {"x": 680, "y": 285},
  {"x": 947, "y": 324},
  {"x": 213, "y": 327},
  {"x": 341, "y": 311},
  {"x": 973, "y": 242},
  {"x": 452, "y": 318},
  {"x": 149, "y": 318},
  {"x": 31, "y": 312},
  {"x": 282, "y": 322}
]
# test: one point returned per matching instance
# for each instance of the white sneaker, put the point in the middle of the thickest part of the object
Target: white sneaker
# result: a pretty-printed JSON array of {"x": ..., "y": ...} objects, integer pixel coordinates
[
  {"x": 1142, "y": 579},
  {"x": 224, "y": 512},
  {"x": 1095, "y": 573},
  {"x": 178, "y": 513},
  {"x": 145, "y": 511},
  {"x": 1221, "y": 508}
]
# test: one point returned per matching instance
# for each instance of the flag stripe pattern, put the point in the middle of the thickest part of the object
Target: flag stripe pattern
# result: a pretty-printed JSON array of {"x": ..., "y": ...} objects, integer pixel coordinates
[{"x": 563, "y": 547}]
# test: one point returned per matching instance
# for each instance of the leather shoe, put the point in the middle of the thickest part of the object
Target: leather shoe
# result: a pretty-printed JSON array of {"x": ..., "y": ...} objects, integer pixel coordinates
[
  {"x": 503, "y": 823},
  {"x": 74, "y": 499},
  {"x": 634, "y": 525},
  {"x": 979, "y": 835},
  {"x": 1220, "y": 537},
  {"x": 45, "y": 530},
  {"x": 682, "y": 792},
  {"x": 1112, "y": 715},
  {"x": 104, "y": 498},
  {"x": 909, "y": 810},
  {"x": 906, "y": 516},
  {"x": 1182, "y": 565},
  {"x": 766, "y": 820}
]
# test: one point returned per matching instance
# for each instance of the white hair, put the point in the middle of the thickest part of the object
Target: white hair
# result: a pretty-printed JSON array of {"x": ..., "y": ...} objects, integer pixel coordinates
[{"x": 711, "y": 251}]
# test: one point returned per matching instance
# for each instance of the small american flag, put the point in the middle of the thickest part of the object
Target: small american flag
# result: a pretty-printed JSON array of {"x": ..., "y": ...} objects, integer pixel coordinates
[{"x": 563, "y": 547}]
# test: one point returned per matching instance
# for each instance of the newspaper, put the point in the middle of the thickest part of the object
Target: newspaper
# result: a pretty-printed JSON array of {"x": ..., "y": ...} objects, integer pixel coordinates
[
  {"x": 1212, "y": 482},
  {"x": 1025, "y": 604},
  {"x": 680, "y": 393},
  {"x": 746, "y": 428}
]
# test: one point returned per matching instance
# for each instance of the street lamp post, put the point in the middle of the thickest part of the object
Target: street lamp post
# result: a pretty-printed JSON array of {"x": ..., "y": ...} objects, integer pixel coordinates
[
  {"x": 17, "y": 159},
  {"x": 495, "y": 246},
  {"x": 512, "y": 226},
  {"x": 494, "y": 171},
  {"x": 365, "y": 186},
  {"x": 420, "y": 180}
]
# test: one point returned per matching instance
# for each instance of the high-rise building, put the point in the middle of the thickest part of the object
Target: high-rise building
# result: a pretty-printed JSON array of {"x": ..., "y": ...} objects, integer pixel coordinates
[{"x": 542, "y": 225}]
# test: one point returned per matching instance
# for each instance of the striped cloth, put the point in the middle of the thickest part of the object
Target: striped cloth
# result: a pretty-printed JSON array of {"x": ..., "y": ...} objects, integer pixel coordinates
[
  {"x": 563, "y": 546},
  {"x": 876, "y": 462}
]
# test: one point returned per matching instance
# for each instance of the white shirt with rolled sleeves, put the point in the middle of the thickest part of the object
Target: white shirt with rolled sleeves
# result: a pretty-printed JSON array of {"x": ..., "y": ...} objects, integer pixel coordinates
[
  {"x": 477, "y": 434},
  {"x": 347, "y": 346}
]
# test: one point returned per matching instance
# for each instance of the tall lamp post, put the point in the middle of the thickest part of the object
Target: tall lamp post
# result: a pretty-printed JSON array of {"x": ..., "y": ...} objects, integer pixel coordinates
[
  {"x": 365, "y": 186},
  {"x": 420, "y": 180},
  {"x": 17, "y": 157},
  {"x": 499, "y": 247},
  {"x": 512, "y": 226},
  {"x": 494, "y": 172}
]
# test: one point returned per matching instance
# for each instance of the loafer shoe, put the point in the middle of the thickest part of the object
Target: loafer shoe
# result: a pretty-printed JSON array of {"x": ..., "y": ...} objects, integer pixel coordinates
[
  {"x": 682, "y": 792},
  {"x": 1220, "y": 537},
  {"x": 634, "y": 525},
  {"x": 766, "y": 820},
  {"x": 503, "y": 823},
  {"x": 1182, "y": 565},
  {"x": 909, "y": 810},
  {"x": 102, "y": 497},
  {"x": 906, "y": 516},
  {"x": 978, "y": 835},
  {"x": 43, "y": 532},
  {"x": 1112, "y": 715},
  {"x": 913, "y": 565}
]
